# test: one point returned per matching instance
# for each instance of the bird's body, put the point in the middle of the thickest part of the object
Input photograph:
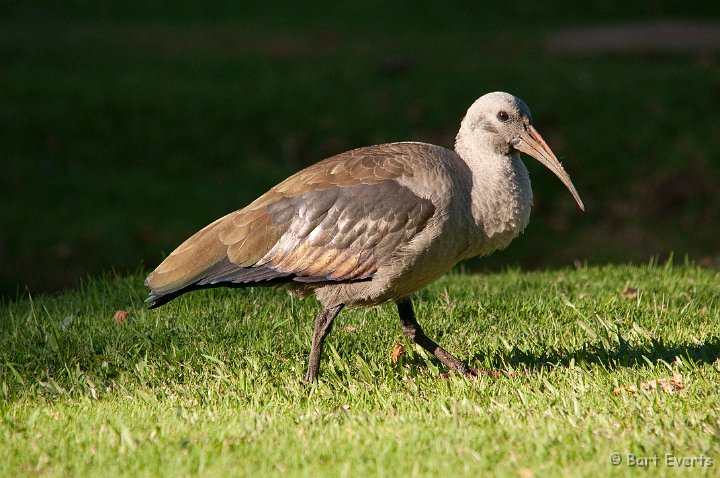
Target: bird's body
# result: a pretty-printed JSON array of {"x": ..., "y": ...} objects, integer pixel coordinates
[{"x": 373, "y": 224}]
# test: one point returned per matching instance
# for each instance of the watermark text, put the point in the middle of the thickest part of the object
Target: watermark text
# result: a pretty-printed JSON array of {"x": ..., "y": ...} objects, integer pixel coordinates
[{"x": 669, "y": 460}]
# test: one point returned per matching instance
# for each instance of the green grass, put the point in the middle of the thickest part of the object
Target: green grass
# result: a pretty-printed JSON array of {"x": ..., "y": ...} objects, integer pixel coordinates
[
  {"x": 209, "y": 385},
  {"x": 127, "y": 126}
]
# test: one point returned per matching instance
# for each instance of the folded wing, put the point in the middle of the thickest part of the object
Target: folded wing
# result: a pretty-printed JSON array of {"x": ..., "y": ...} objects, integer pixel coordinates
[{"x": 315, "y": 227}]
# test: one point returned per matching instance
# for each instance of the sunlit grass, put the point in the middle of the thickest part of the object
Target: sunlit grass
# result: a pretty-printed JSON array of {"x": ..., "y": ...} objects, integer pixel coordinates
[{"x": 210, "y": 384}]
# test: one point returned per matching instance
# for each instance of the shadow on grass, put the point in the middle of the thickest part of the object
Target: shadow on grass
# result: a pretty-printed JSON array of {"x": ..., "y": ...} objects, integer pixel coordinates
[{"x": 595, "y": 354}]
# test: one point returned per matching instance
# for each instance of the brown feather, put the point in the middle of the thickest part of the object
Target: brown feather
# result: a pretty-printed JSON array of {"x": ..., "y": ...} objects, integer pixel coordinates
[{"x": 337, "y": 220}]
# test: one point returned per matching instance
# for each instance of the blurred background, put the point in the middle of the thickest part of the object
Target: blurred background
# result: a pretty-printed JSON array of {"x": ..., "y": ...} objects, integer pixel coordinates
[{"x": 126, "y": 126}]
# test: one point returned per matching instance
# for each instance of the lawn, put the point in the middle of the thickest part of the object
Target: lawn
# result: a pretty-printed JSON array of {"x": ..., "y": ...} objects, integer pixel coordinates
[
  {"x": 592, "y": 361},
  {"x": 125, "y": 126}
]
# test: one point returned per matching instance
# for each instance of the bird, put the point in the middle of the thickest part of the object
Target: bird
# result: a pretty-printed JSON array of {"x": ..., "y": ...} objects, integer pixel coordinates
[{"x": 375, "y": 224}]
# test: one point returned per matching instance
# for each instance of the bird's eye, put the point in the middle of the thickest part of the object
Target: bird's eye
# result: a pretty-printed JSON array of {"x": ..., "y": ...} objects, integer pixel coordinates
[{"x": 503, "y": 116}]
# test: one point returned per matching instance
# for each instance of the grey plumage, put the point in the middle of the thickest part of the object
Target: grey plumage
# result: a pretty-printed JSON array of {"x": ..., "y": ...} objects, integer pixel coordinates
[{"x": 374, "y": 224}]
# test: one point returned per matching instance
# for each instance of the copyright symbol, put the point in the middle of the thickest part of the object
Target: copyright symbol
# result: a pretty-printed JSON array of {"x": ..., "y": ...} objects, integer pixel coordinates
[{"x": 615, "y": 459}]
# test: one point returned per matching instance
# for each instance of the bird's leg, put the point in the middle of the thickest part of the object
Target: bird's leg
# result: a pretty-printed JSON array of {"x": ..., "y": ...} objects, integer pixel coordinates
[
  {"x": 323, "y": 325},
  {"x": 414, "y": 332}
]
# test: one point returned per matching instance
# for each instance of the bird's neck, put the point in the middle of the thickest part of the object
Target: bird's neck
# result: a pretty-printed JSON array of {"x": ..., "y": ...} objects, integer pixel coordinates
[{"x": 501, "y": 194}]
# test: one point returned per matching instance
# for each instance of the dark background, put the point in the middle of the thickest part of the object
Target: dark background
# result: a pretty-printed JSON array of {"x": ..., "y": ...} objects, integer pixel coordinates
[{"x": 127, "y": 126}]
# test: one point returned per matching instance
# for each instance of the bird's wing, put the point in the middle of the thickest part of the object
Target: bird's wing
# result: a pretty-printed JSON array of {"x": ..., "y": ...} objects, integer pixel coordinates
[{"x": 336, "y": 221}]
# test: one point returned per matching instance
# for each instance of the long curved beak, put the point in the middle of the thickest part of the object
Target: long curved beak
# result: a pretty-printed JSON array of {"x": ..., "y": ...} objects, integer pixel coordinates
[{"x": 533, "y": 144}]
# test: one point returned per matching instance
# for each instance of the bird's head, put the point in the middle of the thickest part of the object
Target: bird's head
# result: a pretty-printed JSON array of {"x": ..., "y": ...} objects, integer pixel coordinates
[{"x": 502, "y": 123}]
